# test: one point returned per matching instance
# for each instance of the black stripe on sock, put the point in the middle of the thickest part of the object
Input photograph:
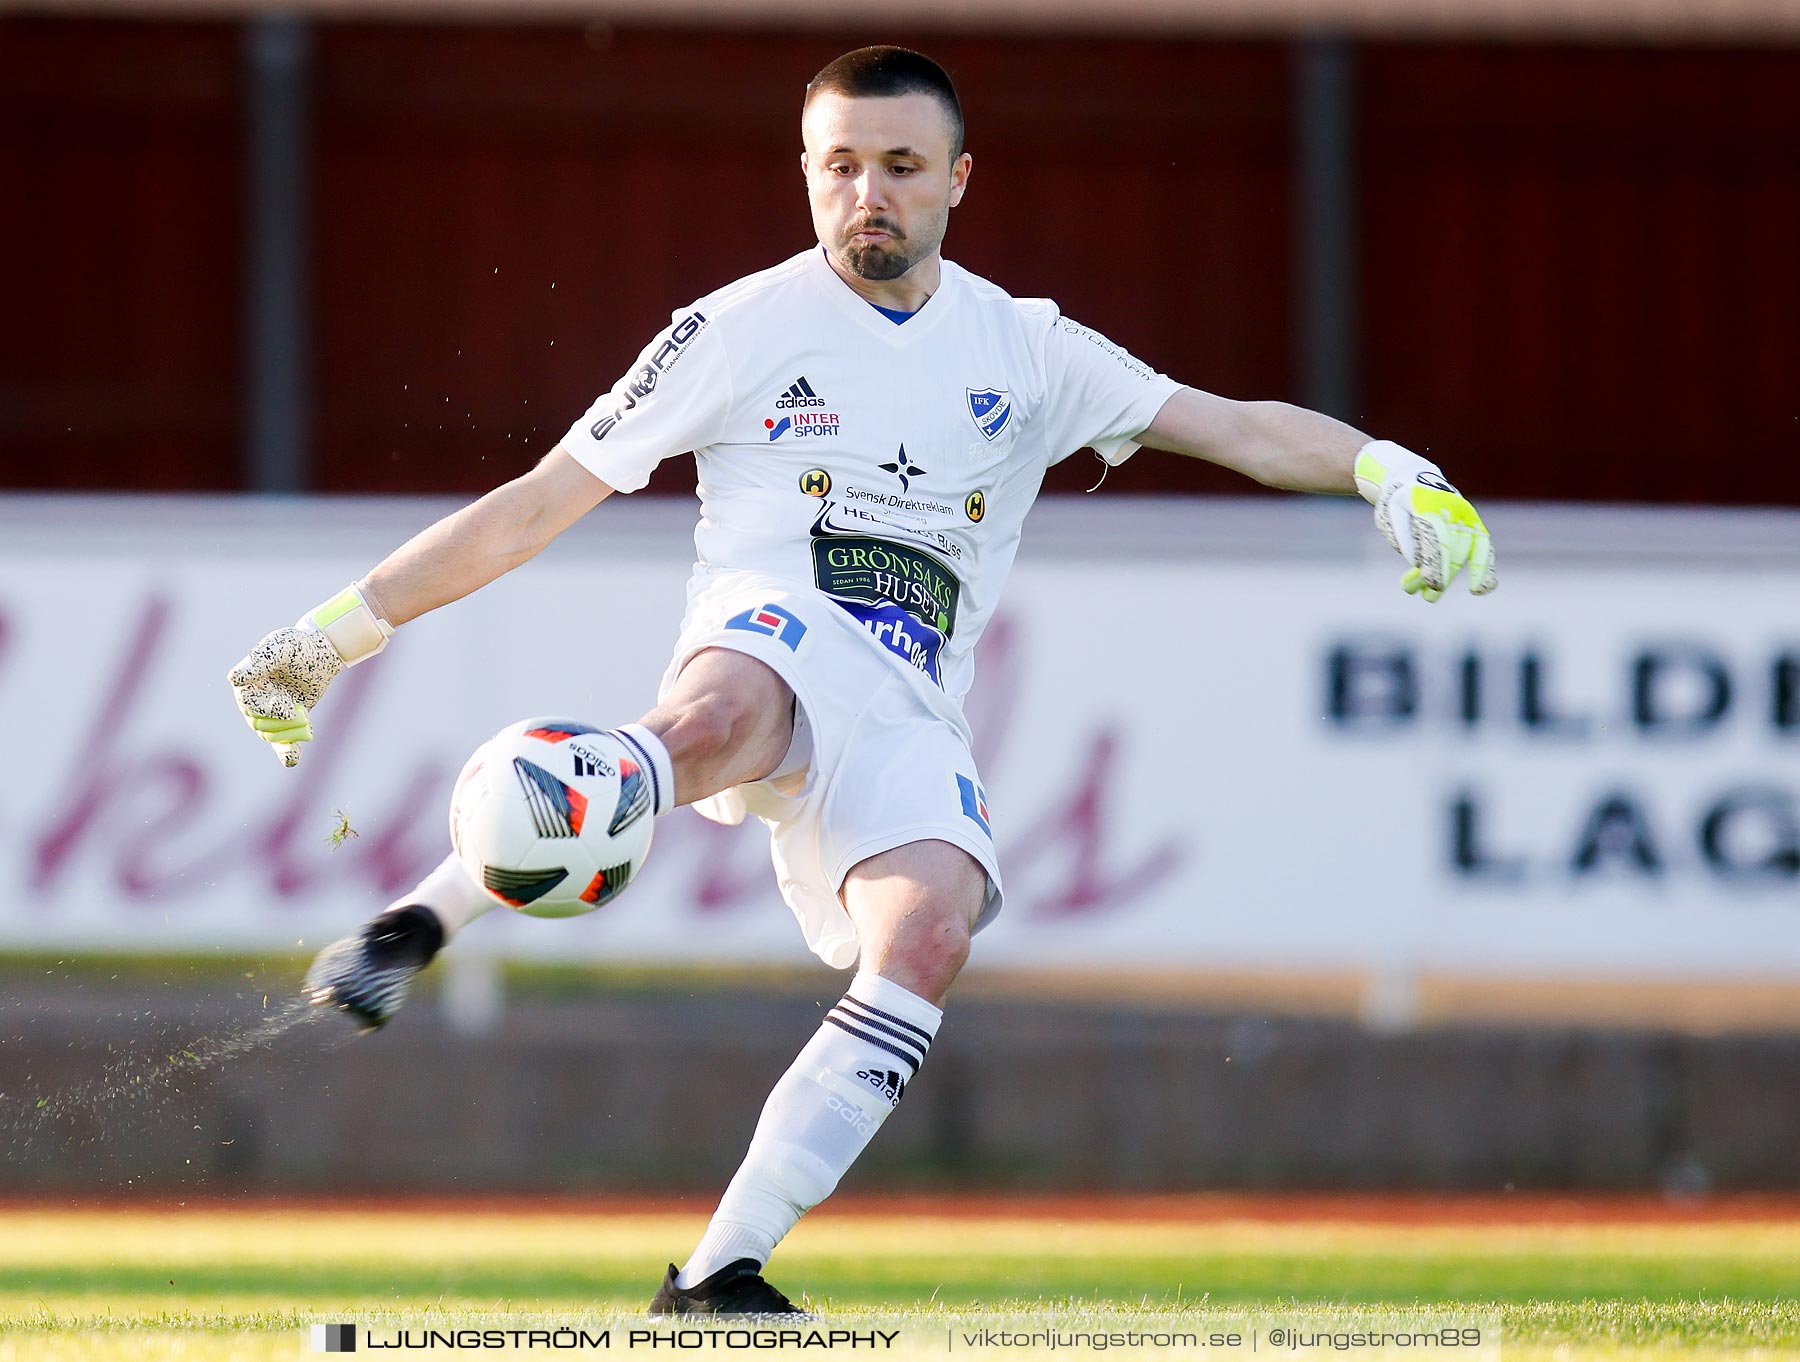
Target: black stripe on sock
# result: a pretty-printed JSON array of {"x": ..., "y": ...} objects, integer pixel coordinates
[
  {"x": 656, "y": 804},
  {"x": 899, "y": 1037},
  {"x": 912, "y": 1065},
  {"x": 920, "y": 1032}
]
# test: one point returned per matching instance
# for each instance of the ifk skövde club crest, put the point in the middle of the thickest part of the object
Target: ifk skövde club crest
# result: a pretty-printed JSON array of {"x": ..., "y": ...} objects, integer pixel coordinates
[{"x": 991, "y": 410}]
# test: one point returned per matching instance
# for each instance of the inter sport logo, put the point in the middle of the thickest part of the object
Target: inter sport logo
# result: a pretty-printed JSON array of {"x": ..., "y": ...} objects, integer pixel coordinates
[{"x": 804, "y": 425}]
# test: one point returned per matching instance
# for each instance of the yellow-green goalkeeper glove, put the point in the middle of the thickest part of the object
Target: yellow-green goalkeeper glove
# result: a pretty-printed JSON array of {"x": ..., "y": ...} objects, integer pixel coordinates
[
  {"x": 281, "y": 678},
  {"x": 1430, "y": 524}
]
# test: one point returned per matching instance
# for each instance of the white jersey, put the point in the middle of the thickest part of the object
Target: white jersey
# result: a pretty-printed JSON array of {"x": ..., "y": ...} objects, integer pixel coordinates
[{"x": 888, "y": 466}]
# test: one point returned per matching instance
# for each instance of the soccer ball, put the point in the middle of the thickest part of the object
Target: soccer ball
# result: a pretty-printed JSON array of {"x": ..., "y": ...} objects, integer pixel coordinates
[{"x": 552, "y": 817}]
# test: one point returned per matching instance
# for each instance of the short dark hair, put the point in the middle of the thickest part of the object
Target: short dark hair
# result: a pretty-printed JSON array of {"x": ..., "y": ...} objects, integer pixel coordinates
[{"x": 882, "y": 72}]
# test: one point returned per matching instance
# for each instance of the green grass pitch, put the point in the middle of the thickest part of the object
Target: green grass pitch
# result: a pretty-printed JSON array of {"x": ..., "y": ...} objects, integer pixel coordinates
[{"x": 210, "y": 1283}]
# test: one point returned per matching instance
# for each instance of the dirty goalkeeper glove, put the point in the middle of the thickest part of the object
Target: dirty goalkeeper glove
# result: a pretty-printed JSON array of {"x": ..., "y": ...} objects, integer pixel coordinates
[{"x": 281, "y": 679}]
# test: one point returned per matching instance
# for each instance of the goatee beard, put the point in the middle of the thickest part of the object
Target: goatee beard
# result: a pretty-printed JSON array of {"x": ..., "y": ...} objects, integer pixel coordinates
[{"x": 875, "y": 264}]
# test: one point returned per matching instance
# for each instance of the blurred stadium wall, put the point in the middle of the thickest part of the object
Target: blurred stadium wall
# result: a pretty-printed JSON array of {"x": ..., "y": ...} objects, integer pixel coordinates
[
  {"x": 264, "y": 251},
  {"x": 1308, "y": 886}
]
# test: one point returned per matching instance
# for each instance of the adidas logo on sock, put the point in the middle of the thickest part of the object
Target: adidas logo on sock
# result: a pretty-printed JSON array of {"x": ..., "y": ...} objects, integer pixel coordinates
[
  {"x": 800, "y": 394},
  {"x": 886, "y": 1082}
]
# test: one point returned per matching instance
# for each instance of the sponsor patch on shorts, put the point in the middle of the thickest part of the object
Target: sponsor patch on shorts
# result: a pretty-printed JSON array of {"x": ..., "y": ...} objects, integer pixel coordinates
[
  {"x": 772, "y": 620},
  {"x": 974, "y": 802}
]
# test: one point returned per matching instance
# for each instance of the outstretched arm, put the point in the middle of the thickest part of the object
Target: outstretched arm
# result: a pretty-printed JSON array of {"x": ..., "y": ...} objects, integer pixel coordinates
[
  {"x": 1429, "y": 523},
  {"x": 487, "y": 538},
  {"x": 280, "y": 680},
  {"x": 648, "y": 416},
  {"x": 1277, "y": 444}
]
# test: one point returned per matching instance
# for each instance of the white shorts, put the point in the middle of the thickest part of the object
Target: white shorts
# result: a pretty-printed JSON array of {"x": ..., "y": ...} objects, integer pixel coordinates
[{"x": 875, "y": 765}]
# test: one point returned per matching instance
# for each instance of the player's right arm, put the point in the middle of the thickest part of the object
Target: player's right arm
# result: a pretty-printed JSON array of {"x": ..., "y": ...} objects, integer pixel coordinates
[
  {"x": 675, "y": 397},
  {"x": 280, "y": 680},
  {"x": 466, "y": 550}
]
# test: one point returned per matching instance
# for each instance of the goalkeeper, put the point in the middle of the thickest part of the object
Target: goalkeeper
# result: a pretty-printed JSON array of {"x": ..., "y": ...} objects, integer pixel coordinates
[{"x": 866, "y": 402}]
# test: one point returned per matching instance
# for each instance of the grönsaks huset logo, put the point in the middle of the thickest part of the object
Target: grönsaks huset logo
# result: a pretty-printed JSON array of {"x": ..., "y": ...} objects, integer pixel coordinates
[
  {"x": 991, "y": 408},
  {"x": 903, "y": 596},
  {"x": 873, "y": 571}
]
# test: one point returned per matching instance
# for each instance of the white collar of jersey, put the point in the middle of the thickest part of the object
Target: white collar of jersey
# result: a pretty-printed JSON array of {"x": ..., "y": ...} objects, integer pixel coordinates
[{"x": 854, "y": 305}]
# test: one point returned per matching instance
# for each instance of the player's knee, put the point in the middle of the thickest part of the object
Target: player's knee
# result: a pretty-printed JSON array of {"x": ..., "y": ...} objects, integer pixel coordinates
[
  {"x": 915, "y": 908},
  {"x": 948, "y": 950},
  {"x": 926, "y": 951}
]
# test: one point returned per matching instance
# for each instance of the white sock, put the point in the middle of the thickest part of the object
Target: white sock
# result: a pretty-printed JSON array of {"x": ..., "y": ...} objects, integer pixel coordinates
[
  {"x": 451, "y": 895},
  {"x": 820, "y": 1116},
  {"x": 655, "y": 757}
]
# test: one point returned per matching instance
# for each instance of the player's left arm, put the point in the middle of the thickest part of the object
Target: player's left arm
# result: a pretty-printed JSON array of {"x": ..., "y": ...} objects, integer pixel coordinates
[
  {"x": 1277, "y": 444},
  {"x": 1429, "y": 522}
]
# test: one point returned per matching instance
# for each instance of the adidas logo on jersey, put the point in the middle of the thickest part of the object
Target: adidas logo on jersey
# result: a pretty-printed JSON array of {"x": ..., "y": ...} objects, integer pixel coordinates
[
  {"x": 886, "y": 1082},
  {"x": 799, "y": 394}
]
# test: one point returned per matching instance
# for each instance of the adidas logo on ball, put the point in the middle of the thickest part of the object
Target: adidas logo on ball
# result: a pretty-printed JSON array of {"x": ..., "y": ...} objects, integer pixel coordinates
[{"x": 547, "y": 843}]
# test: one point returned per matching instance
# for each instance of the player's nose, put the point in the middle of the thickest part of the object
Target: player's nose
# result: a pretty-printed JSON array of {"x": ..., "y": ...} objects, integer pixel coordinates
[{"x": 869, "y": 195}]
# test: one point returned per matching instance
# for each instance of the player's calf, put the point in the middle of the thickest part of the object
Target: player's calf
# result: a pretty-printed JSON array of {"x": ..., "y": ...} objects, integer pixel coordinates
[{"x": 822, "y": 1113}]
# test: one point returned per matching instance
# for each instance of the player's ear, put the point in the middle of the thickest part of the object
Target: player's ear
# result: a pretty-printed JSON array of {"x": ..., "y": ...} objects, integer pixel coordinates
[
  {"x": 959, "y": 177},
  {"x": 805, "y": 165}
]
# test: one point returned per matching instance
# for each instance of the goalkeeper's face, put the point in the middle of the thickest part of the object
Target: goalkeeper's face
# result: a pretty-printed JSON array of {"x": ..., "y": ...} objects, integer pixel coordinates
[{"x": 882, "y": 179}]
